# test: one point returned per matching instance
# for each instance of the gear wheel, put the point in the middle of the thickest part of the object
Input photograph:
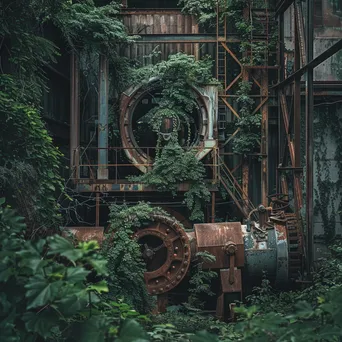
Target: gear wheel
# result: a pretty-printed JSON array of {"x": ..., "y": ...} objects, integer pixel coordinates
[
  {"x": 295, "y": 246},
  {"x": 166, "y": 250}
]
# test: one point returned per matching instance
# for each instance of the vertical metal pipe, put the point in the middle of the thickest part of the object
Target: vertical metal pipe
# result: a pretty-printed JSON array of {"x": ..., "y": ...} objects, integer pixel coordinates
[
  {"x": 281, "y": 78},
  {"x": 264, "y": 139},
  {"x": 74, "y": 116},
  {"x": 213, "y": 200},
  {"x": 97, "y": 219},
  {"x": 297, "y": 115},
  {"x": 102, "y": 172},
  {"x": 309, "y": 134}
]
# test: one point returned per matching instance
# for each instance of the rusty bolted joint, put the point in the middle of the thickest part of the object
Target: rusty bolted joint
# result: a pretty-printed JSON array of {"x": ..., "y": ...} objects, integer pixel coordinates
[{"x": 230, "y": 248}]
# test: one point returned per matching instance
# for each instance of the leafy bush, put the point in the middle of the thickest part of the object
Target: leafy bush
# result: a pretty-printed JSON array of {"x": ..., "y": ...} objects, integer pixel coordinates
[
  {"x": 85, "y": 25},
  {"x": 174, "y": 164},
  {"x": 249, "y": 124},
  {"x": 125, "y": 263},
  {"x": 29, "y": 163},
  {"x": 201, "y": 280},
  {"x": 47, "y": 286}
]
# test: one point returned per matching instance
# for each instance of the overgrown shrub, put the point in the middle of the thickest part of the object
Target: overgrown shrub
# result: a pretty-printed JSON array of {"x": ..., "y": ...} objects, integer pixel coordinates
[
  {"x": 29, "y": 162},
  {"x": 49, "y": 289},
  {"x": 125, "y": 264}
]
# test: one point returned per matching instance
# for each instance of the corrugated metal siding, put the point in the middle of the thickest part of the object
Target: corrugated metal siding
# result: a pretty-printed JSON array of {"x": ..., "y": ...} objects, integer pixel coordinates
[
  {"x": 147, "y": 53},
  {"x": 172, "y": 22},
  {"x": 166, "y": 22}
]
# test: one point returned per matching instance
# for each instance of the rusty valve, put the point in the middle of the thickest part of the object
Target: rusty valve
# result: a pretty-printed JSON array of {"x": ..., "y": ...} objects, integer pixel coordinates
[{"x": 230, "y": 248}]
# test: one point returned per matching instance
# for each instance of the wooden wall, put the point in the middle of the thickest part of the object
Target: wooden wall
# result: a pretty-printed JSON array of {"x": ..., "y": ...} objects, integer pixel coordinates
[{"x": 147, "y": 23}]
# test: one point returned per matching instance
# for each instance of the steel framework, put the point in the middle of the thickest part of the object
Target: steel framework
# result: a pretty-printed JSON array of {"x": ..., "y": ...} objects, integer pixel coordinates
[
  {"x": 231, "y": 67},
  {"x": 304, "y": 64}
]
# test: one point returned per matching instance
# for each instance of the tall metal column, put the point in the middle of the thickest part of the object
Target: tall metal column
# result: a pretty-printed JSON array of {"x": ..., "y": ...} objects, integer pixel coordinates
[
  {"x": 309, "y": 134},
  {"x": 264, "y": 139},
  {"x": 281, "y": 76},
  {"x": 74, "y": 116},
  {"x": 297, "y": 116},
  {"x": 102, "y": 172}
]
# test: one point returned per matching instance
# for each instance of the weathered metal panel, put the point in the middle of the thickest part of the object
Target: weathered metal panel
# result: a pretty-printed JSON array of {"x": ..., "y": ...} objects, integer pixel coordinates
[
  {"x": 142, "y": 23},
  {"x": 145, "y": 23},
  {"x": 213, "y": 237},
  {"x": 227, "y": 287},
  {"x": 102, "y": 172},
  {"x": 87, "y": 233}
]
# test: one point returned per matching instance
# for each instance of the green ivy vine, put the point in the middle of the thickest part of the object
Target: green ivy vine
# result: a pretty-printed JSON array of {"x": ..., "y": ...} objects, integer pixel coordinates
[
  {"x": 29, "y": 162},
  {"x": 125, "y": 263},
  {"x": 249, "y": 124},
  {"x": 175, "y": 164},
  {"x": 201, "y": 280},
  {"x": 328, "y": 124}
]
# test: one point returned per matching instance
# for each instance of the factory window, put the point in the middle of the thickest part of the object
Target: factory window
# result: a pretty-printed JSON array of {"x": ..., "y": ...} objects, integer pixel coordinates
[
  {"x": 155, "y": 4},
  {"x": 337, "y": 6}
]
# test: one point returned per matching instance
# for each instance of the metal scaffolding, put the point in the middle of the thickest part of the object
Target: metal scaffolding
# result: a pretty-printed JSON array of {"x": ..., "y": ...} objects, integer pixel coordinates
[
  {"x": 270, "y": 79},
  {"x": 290, "y": 87}
]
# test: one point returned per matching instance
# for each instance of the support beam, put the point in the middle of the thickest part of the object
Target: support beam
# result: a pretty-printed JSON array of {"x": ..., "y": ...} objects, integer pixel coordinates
[
  {"x": 97, "y": 217},
  {"x": 213, "y": 203},
  {"x": 281, "y": 74},
  {"x": 297, "y": 114},
  {"x": 311, "y": 64},
  {"x": 309, "y": 113},
  {"x": 264, "y": 139},
  {"x": 282, "y": 6},
  {"x": 74, "y": 116},
  {"x": 102, "y": 172},
  {"x": 177, "y": 38}
]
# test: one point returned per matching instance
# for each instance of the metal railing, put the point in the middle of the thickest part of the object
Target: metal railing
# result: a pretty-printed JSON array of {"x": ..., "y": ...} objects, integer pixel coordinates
[{"x": 86, "y": 165}]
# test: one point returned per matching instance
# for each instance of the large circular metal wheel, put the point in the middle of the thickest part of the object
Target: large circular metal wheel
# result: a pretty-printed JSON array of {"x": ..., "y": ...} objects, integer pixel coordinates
[
  {"x": 295, "y": 245},
  {"x": 166, "y": 250}
]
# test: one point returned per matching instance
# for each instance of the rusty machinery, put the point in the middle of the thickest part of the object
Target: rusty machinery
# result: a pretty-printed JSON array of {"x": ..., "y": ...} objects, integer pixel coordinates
[
  {"x": 244, "y": 254},
  {"x": 135, "y": 104}
]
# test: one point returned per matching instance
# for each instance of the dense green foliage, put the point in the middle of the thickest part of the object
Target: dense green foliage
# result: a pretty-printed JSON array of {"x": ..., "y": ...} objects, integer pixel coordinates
[
  {"x": 174, "y": 166},
  {"x": 125, "y": 263},
  {"x": 54, "y": 291},
  {"x": 29, "y": 163},
  {"x": 201, "y": 280},
  {"x": 174, "y": 163},
  {"x": 51, "y": 289},
  {"x": 177, "y": 77},
  {"x": 86, "y": 25},
  {"x": 249, "y": 123},
  {"x": 205, "y": 11},
  {"x": 328, "y": 192}
]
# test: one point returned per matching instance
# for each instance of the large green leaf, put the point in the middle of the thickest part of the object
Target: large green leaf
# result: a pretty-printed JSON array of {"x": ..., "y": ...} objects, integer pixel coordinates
[
  {"x": 76, "y": 274},
  {"x": 71, "y": 305},
  {"x": 41, "y": 323},
  {"x": 99, "y": 287},
  {"x": 132, "y": 331},
  {"x": 40, "y": 292},
  {"x": 62, "y": 246},
  {"x": 99, "y": 264},
  {"x": 31, "y": 256},
  {"x": 203, "y": 336},
  {"x": 92, "y": 330}
]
